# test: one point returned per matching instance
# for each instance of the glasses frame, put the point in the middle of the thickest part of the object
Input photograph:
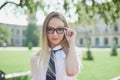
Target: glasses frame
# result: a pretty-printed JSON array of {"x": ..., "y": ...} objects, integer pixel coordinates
[{"x": 55, "y": 29}]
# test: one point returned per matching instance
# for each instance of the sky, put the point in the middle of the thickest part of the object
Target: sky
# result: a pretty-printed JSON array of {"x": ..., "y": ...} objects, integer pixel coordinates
[{"x": 9, "y": 16}]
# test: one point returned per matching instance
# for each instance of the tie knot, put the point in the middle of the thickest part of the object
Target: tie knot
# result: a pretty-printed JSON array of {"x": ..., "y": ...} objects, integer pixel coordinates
[{"x": 54, "y": 51}]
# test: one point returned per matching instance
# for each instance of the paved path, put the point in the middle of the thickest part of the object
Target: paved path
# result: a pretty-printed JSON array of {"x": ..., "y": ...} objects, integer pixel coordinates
[
  {"x": 37, "y": 48},
  {"x": 116, "y": 78},
  {"x": 14, "y": 75},
  {"x": 18, "y": 48}
]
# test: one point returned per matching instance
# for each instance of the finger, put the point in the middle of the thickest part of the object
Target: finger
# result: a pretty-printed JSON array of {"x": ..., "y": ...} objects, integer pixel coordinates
[
  {"x": 66, "y": 34},
  {"x": 69, "y": 33},
  {"x": 66, "y": 28}
]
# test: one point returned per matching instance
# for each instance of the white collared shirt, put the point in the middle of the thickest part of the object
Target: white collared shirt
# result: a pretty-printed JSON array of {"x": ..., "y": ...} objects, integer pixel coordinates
[{"x": 60, "y": 58}]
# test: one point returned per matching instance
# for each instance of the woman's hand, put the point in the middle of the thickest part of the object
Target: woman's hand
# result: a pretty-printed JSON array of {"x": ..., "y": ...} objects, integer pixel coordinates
[
  {"x": 70, "y": 35},
  {"x": 71, "y": 59}
]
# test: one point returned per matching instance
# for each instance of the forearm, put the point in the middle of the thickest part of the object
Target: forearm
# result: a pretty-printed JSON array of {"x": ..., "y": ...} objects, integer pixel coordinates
[{"x": 71, "y": 61}]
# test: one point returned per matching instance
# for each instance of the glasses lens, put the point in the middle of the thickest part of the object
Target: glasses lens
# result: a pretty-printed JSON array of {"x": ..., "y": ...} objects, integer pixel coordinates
[
  {"x": 50, "y": 30},
  {"x": 60, "y": 30}
]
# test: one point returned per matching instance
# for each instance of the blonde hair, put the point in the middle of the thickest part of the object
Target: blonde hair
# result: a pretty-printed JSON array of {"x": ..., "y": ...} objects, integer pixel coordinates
[{"x": 45, "y": 44}]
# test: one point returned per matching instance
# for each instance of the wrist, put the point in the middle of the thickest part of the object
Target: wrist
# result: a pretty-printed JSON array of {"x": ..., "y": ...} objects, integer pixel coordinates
[{"x": 71, "y": 43}]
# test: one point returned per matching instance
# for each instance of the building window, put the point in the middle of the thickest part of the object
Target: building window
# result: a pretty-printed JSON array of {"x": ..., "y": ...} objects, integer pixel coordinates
[
  {"x": 23, "y": 32},
  {"x": 106, "y": 41},
  {"x": 106, "y": 28},
  {"x": 18, "y": 32},
  {"x": 81, "y": 41},
  {"x": 97, "y": 41},
  {"x": 97, "y": 29},
  {"x": 17, "y": 41},
  {"x": 23, "y": 42},
  {"x": 116, "y": 28},
  {"x": 13, "y": 30}
]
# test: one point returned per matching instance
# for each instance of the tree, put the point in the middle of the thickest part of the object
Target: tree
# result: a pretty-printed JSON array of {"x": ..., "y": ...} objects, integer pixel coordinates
[
  {"x": 114, "y": 48},
  {"x": 85, "y": 10},
  {"x": 32, "y": 36},
  {"x": 4, "y": 35},
  {"x": 88, "y": 44}
]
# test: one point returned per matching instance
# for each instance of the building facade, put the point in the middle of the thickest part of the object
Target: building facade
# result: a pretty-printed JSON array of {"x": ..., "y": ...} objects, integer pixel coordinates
[
  {"x": 99, "y": 35},
  {"x": 17, "y": 34}
]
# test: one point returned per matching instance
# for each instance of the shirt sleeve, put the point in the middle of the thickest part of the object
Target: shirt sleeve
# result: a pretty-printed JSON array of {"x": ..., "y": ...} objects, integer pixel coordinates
[
  {"x": 34, "y": 67},
  {"x": 79, "y": 58}
]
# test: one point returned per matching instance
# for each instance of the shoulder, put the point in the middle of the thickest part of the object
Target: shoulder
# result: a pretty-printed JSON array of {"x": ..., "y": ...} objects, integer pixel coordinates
[{"x": 36, "y": 55}]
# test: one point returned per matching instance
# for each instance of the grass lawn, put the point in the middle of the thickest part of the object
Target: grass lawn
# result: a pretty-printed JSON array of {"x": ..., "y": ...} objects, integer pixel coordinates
[
  {"x": 103, "y": 67},
  {"x": 14, "y": 61}
]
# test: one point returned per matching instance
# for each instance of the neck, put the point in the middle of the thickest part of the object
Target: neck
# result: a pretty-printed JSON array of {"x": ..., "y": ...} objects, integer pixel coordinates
[{"x": 52, "y": 46}]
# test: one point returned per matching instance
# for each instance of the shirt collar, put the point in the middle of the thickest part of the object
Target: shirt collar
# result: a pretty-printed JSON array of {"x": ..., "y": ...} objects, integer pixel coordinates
[{"x": 55, "y": 48}]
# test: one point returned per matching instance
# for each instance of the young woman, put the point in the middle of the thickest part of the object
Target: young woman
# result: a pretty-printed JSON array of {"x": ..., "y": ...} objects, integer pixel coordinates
[{"x": 57, "y": 58}]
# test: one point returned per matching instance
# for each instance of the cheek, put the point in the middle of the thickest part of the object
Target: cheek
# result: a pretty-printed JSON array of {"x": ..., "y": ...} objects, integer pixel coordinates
[{"x": 62, "y": 36}]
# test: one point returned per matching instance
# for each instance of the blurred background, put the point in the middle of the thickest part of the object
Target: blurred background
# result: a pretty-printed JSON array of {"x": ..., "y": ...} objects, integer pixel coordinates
[{"x": 97, "y": 23}]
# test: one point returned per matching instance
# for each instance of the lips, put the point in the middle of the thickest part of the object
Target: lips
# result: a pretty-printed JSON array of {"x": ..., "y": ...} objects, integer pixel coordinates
[{"x": 55, "y": 38}]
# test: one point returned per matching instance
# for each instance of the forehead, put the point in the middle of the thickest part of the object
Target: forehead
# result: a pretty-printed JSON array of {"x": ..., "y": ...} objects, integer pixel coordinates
[{"x": 56, "y": 22}]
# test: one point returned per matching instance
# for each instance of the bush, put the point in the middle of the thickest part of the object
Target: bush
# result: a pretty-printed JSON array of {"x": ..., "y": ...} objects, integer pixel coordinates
[
  {"x": 30, "y": 45},
  {"x": 114, "y": 49}
]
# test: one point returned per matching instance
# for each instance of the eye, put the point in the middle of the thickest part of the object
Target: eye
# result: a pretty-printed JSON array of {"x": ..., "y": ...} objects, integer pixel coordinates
[
  {"x": 50, "y": 29},
  {"x": 60, "y": 29}
]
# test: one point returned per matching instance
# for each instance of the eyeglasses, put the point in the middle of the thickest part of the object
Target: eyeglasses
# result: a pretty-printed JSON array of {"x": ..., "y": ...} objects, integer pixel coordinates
[{"x": 59, "y": 30}]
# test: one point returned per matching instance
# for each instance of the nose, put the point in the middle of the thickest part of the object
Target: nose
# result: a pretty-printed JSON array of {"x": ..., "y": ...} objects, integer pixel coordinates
[{"x": 55, "y": 33}]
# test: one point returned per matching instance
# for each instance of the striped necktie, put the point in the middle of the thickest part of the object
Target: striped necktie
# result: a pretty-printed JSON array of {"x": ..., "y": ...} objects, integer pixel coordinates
[{"x": 51, "y": 73}]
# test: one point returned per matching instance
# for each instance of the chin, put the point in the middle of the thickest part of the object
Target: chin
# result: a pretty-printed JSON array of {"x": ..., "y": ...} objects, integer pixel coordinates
[{"x": 56, "y": 43}]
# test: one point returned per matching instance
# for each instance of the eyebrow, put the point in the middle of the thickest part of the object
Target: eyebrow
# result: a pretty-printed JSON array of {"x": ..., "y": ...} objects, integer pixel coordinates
[{"x": 57, "y": 27}]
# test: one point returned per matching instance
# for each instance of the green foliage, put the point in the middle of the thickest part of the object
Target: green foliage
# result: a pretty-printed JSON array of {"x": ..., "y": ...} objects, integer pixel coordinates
[
  {"x": 114, "y": 48},
  {"x": 4, "y": 34},
  {"x": 30, "y": 45},
  {"x": 66, "y": 5},
  {"x": 32, "y": 35},
  {"x": 88, "y": 44},
  {"x": 108, "y": 11},
  {"x": 86, "y": 10},
  {"x": 89, "y": 55}
]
